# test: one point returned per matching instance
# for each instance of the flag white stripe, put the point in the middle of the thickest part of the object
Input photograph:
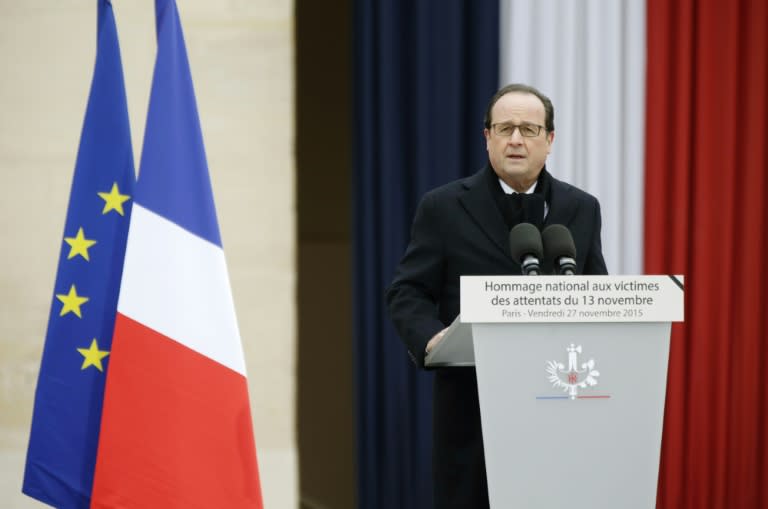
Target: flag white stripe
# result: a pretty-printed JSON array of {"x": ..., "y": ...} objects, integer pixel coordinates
[
  {"x": 177, "y": 284},
  {"x": 589, "y": 58}
]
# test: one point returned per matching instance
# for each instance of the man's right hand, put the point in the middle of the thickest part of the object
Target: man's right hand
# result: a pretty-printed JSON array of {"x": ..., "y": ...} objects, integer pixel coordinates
[{"x": 435, "y": 340}]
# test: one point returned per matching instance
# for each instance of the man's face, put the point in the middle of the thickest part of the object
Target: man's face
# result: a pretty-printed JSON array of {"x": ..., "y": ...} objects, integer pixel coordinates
[{"x": 517, "y": 159}]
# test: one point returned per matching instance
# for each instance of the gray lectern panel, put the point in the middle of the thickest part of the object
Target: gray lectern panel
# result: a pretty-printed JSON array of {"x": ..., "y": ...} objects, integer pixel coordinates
[
  {"x": 572, "y": 412},
  {"x": 455, "y": 349}
]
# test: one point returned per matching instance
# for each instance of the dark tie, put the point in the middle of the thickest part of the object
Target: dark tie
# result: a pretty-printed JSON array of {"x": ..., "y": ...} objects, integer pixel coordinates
[{"x": 525, "y": 208}]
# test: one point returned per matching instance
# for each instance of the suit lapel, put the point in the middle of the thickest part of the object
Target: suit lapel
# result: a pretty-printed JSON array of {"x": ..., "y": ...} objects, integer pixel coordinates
[
  {"x": 562, "y": 206},
  {"x": 479, "y": 204}
]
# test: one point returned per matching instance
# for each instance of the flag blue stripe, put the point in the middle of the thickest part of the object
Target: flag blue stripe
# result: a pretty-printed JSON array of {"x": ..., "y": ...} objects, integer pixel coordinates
[{"x": 173, "y": 180}]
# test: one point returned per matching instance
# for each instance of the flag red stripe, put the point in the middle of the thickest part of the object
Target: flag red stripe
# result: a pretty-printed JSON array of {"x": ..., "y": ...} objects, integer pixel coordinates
[
  {"x": 176, "y": 428},
  {"x": 705, "y": 218}
]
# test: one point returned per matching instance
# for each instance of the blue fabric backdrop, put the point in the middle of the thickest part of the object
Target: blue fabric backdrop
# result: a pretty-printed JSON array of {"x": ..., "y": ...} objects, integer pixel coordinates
[{"x": 423, "y": 74}]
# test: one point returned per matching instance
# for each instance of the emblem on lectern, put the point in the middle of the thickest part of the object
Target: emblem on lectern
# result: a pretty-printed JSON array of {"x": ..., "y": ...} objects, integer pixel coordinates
[{"x": 575, "y": 376}]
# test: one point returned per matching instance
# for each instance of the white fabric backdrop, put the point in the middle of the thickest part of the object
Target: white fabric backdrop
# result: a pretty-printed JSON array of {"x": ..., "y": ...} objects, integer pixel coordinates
[{"x": 588, "y": 56}]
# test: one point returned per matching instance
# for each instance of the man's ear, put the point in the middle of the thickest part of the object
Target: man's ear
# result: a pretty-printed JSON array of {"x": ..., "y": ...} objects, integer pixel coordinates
[{"x": 487, "y": 134}]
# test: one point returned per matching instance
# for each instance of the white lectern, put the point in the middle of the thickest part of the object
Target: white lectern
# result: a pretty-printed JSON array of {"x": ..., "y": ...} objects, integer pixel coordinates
[{"x": 571, "y": 375}]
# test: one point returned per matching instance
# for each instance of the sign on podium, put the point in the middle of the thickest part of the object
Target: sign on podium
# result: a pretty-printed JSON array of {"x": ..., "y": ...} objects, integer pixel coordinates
[{"x": 571, "y": 376}]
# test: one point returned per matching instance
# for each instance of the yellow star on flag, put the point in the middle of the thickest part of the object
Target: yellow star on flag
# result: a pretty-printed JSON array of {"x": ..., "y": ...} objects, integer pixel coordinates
[
  {"x": 92, "y": 356},
  {"x": 72, "y": 302},
  {"x": 79, "y": 245},
  {"x": 113, "y": 200}
]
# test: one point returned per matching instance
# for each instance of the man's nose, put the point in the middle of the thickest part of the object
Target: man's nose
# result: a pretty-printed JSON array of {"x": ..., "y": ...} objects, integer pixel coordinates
[{"x": 516, "y": 138}]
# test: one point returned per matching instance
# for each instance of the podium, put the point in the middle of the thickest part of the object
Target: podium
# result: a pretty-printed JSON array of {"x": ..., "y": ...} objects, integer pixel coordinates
[{"x": 571, "y": 375}]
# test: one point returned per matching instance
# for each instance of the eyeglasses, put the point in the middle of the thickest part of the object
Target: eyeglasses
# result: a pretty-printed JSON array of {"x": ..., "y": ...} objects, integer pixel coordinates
[{"x": 526, "y": 130}]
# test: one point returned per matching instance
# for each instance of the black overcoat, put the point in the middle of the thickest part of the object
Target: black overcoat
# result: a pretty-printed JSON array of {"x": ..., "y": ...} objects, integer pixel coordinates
[{"x": 459, "y": 230}]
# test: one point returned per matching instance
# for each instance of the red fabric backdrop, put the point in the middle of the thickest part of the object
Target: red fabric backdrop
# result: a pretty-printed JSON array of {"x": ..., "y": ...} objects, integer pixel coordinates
[{"x": 705, "y": 217}]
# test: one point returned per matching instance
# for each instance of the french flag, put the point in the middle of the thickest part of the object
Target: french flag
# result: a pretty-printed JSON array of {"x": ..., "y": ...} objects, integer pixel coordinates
[
  {"x": 663, "y": 112},
  {"x": 176, "y": 426}
]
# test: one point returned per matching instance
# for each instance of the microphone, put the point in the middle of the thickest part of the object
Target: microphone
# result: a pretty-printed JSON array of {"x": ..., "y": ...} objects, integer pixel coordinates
[
  {"x": 525, "y": 245},
  {"x": 560, "y": 249}
]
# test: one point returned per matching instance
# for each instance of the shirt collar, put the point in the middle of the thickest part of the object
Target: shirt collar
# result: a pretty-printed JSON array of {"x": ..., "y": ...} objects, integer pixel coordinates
[{"x": 508, "y": 190}]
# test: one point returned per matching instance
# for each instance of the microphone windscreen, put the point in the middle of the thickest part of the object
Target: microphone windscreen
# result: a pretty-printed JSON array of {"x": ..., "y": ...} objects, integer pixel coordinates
[
  {"x": 525, "y": 239},
  {"x": 558, "y": 242}
]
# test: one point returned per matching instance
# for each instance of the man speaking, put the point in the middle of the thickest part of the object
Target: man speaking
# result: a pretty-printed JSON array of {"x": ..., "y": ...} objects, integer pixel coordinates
[{"x": 462, "y": 228}]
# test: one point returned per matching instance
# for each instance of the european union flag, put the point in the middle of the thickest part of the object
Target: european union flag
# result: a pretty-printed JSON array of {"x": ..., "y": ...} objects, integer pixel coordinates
[{"x": 70, "y": 387}]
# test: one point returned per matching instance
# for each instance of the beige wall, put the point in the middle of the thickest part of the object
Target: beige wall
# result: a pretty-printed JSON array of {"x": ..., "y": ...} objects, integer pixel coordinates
[{"x": 241, "y": 53}]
